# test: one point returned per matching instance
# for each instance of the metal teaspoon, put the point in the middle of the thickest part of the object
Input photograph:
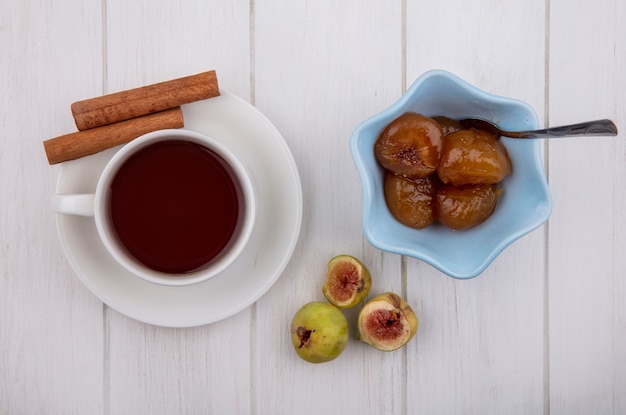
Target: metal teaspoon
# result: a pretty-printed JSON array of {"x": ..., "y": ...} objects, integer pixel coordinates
[{"x": 589, "y": 128}]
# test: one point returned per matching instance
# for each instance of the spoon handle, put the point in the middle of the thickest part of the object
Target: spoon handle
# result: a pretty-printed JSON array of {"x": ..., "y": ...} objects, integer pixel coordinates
[{"x": 589, "y": 128}]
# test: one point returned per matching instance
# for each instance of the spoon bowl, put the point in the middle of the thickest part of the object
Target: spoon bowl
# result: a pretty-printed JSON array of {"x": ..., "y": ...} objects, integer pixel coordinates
[{"x": 590, "y": 128}]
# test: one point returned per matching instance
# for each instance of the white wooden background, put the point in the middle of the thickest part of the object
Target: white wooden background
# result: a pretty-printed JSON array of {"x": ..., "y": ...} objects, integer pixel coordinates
[{"x": 541, "y": 331}]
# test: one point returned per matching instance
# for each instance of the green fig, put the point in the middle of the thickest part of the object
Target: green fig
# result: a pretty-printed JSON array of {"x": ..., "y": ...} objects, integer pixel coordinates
[
  {"x": 319, "y": 332},
  {"x": 387, "y": 322},
  {"x": 347, "y": 281}
]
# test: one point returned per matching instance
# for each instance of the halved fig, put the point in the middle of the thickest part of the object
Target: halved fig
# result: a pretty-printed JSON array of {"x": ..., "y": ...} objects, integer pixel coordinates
[
  {"x": 410, "y": 145},
  {"x": 411, "y": 201},
  {"x": 387, "y": 322},
  {"x": 473, "y": 157},
  {"x": 319, "y": 332},
  {"x": 347, "y": 282}
]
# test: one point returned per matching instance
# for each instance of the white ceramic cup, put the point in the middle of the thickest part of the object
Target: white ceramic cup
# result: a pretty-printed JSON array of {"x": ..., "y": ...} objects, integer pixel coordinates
[{"x": 97, "y": 206}]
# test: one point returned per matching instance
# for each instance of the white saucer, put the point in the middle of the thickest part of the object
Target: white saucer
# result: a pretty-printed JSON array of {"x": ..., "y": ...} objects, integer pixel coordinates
[{"x": 277, "y": 227}]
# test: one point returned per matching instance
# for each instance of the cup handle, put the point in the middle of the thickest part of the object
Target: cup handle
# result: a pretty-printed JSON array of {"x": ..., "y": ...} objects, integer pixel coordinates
[{"x": 76, "y": 204}]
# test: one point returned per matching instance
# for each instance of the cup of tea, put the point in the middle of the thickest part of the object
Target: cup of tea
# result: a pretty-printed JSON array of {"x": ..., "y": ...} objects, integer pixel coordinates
[{"x": 173, "y": 207}]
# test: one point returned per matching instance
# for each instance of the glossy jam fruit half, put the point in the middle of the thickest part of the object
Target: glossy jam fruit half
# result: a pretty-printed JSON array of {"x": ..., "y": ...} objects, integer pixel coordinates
[
  {"x": 463, "y": 207},
  {"x": 473, "y": 157},
  {"x": 410, "y": 146},
  {"x": 411, "y": 201}
]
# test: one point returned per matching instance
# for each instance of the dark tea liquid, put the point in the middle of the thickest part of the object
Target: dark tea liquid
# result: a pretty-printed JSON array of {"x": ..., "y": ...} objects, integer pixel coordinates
[{"x": 175, "y": 206}]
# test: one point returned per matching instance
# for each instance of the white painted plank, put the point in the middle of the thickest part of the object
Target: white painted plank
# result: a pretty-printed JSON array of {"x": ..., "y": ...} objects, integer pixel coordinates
[
  {"x": 320, "y": 69},
  {"x": 533, "y": 334},
  {"x": 155, "y": 370},
  {"x": 152, "y": 41},
  {"x": 588, "y": 226},
  {"x": 205, "y": 369},
  {"x": 50, "y": 324},
  {"x": 480, "y": 346}
]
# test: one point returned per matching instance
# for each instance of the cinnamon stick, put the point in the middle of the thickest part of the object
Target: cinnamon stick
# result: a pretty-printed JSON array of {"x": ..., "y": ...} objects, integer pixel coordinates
[
  {"x": 124, "y": 105},
  {"x": 83, "y": 143}
]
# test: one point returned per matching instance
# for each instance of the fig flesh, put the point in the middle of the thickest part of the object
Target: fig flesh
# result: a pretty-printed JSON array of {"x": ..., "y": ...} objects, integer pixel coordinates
[
  {"x": 347, "y": 282},
  {"x": 319, "y": 332},
  {"x": 410, "y": 145},
  {"x": 387, "y": 322}
]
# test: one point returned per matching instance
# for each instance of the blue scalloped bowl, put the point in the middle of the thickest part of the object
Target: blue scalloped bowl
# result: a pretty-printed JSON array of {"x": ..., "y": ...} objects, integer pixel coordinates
[{"x": 525, "y": 202}]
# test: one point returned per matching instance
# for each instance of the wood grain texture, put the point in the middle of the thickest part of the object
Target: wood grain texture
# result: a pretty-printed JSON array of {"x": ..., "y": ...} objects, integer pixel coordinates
[
  {"x": 481, "y": 346},
  {"x": 51, "y": 333},
  {"x": 541, "y": 331},
  {"x": 587, "y": 230},
  {"x": 207, "y": 369},
  {"x": 350, "y": 53}
]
